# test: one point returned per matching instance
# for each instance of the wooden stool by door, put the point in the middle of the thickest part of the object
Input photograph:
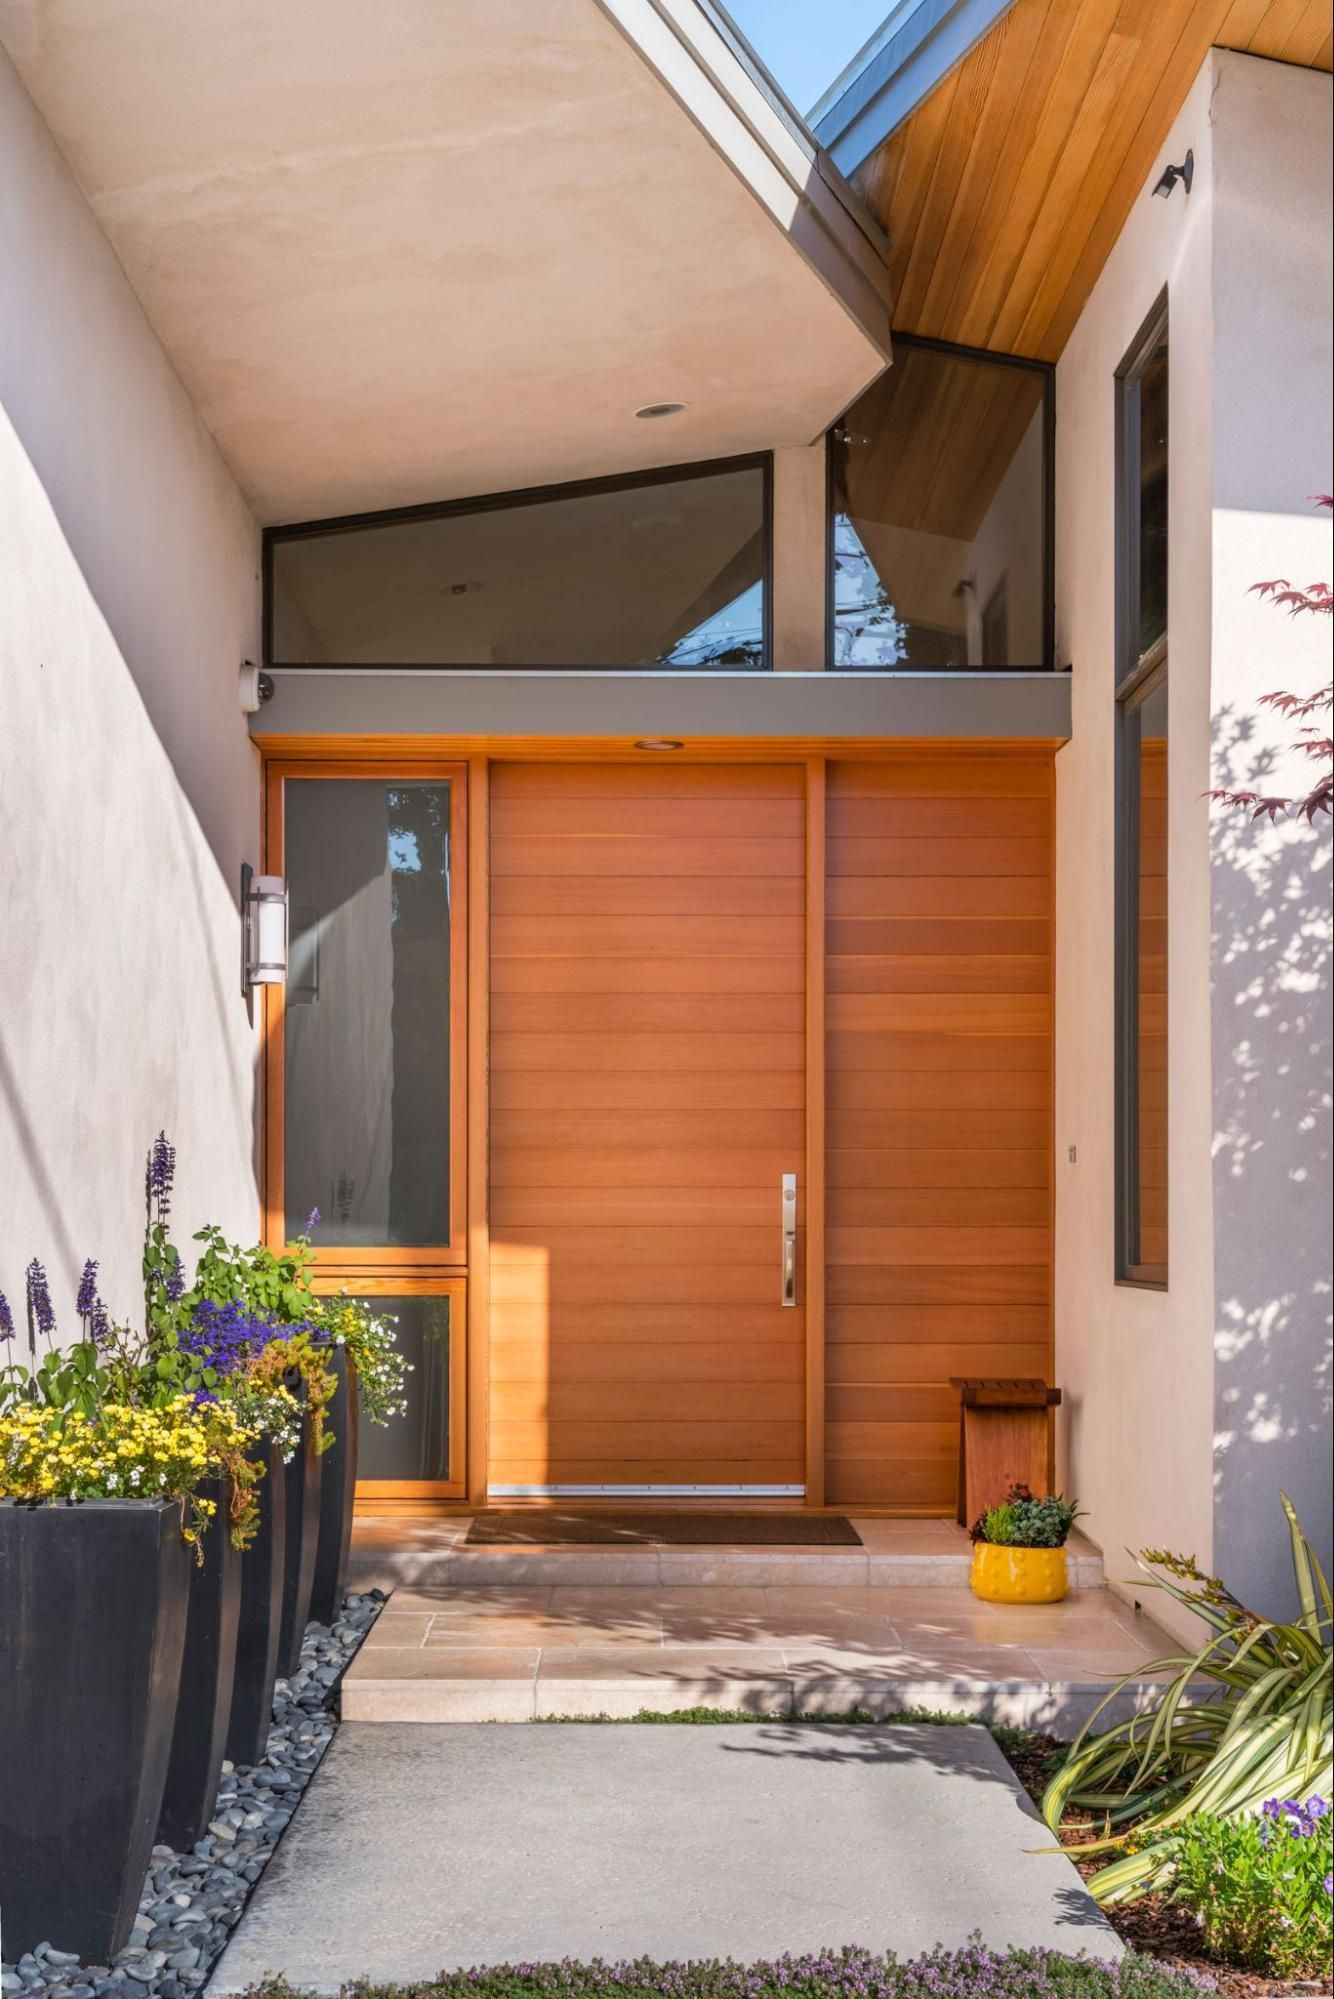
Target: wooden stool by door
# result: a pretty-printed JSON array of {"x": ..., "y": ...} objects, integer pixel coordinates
[{"x": 1004, "y": 1440}]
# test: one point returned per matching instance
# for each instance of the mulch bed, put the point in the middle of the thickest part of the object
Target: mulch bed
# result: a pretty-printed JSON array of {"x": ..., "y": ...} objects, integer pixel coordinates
[{"x": 1153, "y": 1925}]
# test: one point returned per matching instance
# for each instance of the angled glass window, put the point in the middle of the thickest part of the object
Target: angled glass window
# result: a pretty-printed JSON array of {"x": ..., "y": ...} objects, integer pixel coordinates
[
  {"x": 666, "y": 570},
  {"x": 940, "y": 538}
]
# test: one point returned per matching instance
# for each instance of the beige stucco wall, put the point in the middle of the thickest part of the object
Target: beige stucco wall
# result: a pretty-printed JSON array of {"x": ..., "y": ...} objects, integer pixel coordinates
[
  {"x": 128, "y": 785},
  {"x": 1139, "y": 1439}
]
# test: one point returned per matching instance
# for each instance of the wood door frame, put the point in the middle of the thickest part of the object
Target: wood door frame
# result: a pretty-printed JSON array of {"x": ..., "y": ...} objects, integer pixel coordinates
[
  {"x": 467, "y": 763},
  {"x": 342, "y": 1259}
]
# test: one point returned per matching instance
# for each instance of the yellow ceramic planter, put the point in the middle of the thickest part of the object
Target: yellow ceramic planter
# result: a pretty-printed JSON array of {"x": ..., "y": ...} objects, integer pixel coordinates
[{"x": 1019, "y": 1575}]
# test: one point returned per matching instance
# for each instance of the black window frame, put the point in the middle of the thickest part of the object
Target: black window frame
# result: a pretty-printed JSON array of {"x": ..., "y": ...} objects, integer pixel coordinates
[
  {"x": 1047, "y": 369},
  {"x": 1138, "y": 676},
  {"x": 526, "y": 496}
]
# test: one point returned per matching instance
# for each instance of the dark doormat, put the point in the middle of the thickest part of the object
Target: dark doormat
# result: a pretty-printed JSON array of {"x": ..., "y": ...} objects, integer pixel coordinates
[{"x": 662, "y": 1530}]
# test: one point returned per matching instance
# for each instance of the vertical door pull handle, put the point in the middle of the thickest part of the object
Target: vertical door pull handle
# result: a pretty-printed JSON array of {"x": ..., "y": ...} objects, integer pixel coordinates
[{"x": 788, "y": 1285}]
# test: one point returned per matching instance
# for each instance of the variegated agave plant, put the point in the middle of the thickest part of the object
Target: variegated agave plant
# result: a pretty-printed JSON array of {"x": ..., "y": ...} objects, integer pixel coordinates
[{"x": 1245, "y": 1719}]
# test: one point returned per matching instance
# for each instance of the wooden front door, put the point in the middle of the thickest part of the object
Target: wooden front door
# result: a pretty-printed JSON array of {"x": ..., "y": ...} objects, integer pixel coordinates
[{"x": 647, "y": 1096}]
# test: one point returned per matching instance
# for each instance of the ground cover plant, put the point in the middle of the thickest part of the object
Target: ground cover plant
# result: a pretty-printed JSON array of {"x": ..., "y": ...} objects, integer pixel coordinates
[
  {"x": 975, "y": 1972},
  {"x": 1259, "y": 1888}
]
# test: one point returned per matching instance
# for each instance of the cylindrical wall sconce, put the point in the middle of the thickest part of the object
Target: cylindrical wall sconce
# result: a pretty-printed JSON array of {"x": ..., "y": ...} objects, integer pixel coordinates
[{"x": 264, "y": 929}]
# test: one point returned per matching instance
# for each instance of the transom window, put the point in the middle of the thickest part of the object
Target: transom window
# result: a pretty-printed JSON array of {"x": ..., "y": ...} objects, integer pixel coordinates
[{"x": 668, "y": 569}]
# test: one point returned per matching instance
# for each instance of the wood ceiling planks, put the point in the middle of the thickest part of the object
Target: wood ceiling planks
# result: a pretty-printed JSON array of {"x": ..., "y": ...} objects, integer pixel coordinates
[{"x": 1005, "y": 190}]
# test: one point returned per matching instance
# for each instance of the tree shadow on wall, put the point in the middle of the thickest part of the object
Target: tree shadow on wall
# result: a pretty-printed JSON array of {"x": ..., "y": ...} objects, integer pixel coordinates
[{"x": 1271, "y": 1022}]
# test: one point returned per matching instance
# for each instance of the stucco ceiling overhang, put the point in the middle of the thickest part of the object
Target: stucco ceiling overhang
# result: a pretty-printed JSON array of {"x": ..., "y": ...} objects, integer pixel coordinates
[{"x": 437, "y": 247}]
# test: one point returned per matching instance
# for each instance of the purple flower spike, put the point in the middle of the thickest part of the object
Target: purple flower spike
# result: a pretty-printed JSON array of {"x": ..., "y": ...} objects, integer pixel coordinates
[
  {"x": 41, "y": 1312},
  {"x": 175, "y": 1281},
  {"x": 313, "y": 1221},
  {"x": 100, "y": 1325},
  {"x": 161, "y": 1174},
  {"x": 86, "y": 1301},
  {"x": 6, "y": 1319}
]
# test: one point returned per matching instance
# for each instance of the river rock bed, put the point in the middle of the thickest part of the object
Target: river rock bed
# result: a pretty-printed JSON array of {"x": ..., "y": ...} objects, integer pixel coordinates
[{"x": 193, "y": 1901}]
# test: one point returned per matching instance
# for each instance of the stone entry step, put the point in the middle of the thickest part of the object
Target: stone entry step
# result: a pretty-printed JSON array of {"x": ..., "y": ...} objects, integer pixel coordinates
[
  {"x": 515, "y": 1652},
  {"x": 896, "y": 1554}
]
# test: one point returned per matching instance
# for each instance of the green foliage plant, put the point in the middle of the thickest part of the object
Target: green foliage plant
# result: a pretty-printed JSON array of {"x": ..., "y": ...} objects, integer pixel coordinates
[
  {"x": 1022, "y": 1520},
  {"x": 1262, "y": 1729},
  {"x": 1260, "y": 1887}
]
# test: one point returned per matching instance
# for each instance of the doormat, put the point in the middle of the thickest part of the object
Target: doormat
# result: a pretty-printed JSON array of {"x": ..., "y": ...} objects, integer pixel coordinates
[{"x": 662, "y": 1530}]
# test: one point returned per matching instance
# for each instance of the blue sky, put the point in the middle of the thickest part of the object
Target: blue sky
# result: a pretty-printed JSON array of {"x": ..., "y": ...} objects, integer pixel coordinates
[{"x": 805, "y": 43}]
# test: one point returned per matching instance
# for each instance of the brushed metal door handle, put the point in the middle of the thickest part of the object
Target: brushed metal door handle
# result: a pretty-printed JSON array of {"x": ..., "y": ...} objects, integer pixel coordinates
[{"x": 788, "y": 1282}]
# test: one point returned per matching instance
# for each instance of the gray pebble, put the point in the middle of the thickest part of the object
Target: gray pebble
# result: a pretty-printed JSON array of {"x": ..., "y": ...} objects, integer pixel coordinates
[{"x": 191, "y": 1902}]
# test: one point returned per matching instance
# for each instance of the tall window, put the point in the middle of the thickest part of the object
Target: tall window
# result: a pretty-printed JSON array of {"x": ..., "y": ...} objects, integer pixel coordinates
[
  {"x": 1141, "y": 806},
  {"x": 940, "y": 532}
]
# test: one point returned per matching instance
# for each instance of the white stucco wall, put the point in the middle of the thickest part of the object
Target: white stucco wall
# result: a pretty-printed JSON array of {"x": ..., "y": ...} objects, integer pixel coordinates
[
  {"x": 1138, "y": 1433},
  {"x": 128, "y": 786},
  {"x": 1271, "y": 1013},
  {"x": 799, "y": 556}
]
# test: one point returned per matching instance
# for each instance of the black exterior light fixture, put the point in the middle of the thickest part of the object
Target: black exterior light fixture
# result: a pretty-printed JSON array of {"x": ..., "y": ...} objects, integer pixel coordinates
[{"x": 1169, "y": 177}]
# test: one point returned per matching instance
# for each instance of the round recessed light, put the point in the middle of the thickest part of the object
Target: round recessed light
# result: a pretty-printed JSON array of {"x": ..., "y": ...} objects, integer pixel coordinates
[
  {"x": 661, "y": 409},
  {"x": 660, "y": 743}
]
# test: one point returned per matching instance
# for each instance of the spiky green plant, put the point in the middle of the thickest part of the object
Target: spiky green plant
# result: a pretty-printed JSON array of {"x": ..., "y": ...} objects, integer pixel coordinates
[{"x": 1262, "y": 1730}]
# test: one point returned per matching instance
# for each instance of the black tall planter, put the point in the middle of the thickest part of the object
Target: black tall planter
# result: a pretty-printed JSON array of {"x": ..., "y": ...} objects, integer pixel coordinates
[
  {"x": 92, "y": 1625},
  {"x": 259, "y": 1624},
  {"x": 208, "y": 1670},
  {"x": 303, "y": 1537},
  {"x": 338, "y": 1484}
]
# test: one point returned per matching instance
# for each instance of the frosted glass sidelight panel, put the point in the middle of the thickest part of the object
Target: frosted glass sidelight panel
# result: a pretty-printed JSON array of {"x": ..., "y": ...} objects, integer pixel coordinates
[
  {"x": 416, "y": 1445},
  {"x": 366, "y": 1023}
]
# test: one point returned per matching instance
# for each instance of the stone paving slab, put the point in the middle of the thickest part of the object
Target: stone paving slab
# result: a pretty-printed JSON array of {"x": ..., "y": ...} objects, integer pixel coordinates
[
  {"x": 895, "y": 1554},
  {"x": 587, "y": 1651},
  {"x": 422, "y": 1848}
]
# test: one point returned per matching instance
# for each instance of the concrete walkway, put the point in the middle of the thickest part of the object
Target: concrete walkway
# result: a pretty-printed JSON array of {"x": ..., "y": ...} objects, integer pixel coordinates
[{"x": 420, "y": 1848}]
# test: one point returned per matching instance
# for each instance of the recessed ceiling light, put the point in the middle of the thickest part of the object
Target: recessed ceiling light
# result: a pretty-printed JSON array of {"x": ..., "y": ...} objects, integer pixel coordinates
[
  {"x": 660, "y": 743},
  {"x": 661, "y": 409}
]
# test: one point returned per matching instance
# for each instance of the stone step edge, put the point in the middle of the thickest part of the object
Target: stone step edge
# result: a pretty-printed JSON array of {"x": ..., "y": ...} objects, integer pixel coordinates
[
  {"x": 1059, "y": 1708},
  {"x": 486, "y": 1569}
]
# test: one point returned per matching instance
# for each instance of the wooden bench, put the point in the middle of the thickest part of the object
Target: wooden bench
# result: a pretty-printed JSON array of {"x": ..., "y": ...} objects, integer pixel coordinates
[{"x": 1004, "y": 1440}]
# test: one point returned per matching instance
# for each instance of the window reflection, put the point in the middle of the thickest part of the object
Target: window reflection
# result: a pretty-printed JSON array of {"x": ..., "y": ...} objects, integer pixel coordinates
[
  {"x": 366, "y": 1025},
  {"x": 415, "y": 1445},
  {"x": 1152, "y": 397},
  {"x": 665, "y": 572},
  {"x": 937, "y": 532},
  {"x": 1149, "y": 720}
]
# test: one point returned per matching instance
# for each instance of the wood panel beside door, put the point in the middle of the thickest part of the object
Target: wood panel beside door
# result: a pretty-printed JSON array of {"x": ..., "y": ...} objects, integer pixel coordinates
[
  {"x": 939, "y": 1046},
  {"x": 647, "y": 1077}
]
